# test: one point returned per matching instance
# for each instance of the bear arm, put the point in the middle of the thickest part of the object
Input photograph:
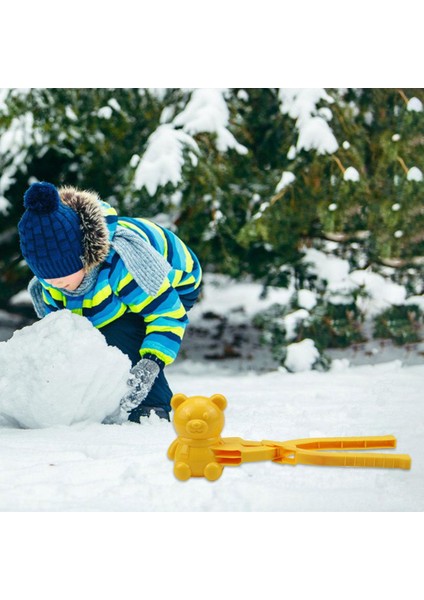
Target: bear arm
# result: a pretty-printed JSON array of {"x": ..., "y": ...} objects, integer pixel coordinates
[{"x": 172, "y": 449}]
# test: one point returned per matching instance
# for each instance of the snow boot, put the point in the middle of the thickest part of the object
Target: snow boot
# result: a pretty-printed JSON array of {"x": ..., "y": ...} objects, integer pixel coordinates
[{"x": 143, "y": 410}]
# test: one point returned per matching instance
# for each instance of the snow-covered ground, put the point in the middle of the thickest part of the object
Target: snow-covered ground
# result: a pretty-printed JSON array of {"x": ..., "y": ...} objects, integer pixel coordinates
[
  {"x": 124, "y": 468},
  {"x": 96, "y": 467}
]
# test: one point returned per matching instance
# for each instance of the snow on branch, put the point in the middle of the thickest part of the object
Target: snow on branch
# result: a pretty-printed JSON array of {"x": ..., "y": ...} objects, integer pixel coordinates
[
  {"x": 286, "y": 179},
  {"x": 207, "y": 111},
  {"x": 314, "y": 130},
  {"x": 14, "y": 144},
  {"x": 163, "y": 159}
]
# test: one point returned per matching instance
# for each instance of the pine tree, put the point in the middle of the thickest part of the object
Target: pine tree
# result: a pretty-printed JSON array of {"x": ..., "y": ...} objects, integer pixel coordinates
[{"x": 251, "y": 177}]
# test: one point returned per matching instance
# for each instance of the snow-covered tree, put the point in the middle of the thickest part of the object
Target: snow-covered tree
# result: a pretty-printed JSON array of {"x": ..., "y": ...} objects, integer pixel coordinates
[{"x": 251, "y": 178}]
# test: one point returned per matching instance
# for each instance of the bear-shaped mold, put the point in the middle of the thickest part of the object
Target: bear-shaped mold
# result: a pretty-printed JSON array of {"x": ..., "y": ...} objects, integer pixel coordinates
[{"x": 198, "y": 421}]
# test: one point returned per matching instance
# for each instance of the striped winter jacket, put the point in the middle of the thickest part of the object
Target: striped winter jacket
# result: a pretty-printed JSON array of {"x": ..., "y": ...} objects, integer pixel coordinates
[{"x": 116, "y": 291}]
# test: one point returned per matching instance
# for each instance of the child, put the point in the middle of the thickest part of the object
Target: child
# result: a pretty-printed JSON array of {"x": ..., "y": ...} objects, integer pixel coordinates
[{"x": 134, "y": 280}]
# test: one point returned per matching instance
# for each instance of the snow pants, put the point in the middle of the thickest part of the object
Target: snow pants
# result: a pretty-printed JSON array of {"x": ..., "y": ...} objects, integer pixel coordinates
[{"x": 127, "y": 333}]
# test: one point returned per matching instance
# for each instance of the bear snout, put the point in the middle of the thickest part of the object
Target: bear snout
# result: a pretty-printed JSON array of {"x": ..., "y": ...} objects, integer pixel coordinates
[{"x": 197, "y": 426}]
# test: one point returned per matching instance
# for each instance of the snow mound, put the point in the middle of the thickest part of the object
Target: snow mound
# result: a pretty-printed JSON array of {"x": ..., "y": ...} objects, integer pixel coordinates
[
  {"x": 60, "y": 371},
  {"x": 301, "y": 356}
]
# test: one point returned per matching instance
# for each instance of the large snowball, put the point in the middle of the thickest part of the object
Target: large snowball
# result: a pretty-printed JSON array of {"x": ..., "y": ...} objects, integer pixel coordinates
[{"x": 60, "y": 371}]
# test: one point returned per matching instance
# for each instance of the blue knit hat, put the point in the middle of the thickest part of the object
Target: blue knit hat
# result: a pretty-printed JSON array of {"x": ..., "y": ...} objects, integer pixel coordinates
[{"x": 50, "y": 233}]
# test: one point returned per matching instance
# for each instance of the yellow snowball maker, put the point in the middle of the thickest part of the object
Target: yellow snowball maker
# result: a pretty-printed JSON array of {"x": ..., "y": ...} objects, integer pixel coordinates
[{"x": 200, "y": 451}]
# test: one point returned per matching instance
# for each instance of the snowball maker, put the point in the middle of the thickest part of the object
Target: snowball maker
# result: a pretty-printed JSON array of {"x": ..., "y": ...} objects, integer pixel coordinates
[{"x": 200, "y": 451}]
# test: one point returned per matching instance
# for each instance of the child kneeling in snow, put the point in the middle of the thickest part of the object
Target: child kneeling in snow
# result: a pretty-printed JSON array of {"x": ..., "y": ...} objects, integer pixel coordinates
[{"x": 134, "y": 280}]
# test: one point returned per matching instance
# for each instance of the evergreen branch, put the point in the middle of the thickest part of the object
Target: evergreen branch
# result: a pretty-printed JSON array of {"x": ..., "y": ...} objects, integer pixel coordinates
[
  {"x": 402, "y": 163},
  {"x": 277, "y": 196},
  {"x": 403, "y": 96},
  {"x": 339, "y": 164}
]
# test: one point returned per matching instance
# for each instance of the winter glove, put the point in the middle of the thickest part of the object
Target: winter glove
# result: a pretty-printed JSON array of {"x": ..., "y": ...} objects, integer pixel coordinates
[{"x": 144, "y": 375}]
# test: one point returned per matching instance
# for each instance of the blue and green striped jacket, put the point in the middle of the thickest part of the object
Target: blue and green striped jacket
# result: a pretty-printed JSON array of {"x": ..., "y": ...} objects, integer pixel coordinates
[{"x": 116, "y": 291}]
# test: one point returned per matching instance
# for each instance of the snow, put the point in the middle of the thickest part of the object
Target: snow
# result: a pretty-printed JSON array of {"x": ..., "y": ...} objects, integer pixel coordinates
[
  {"x": 105, "y": 112},
  {"x": 167, "y": 114},
  {"x": 3, "y": 95},
  {"x": 301, "y": 356},
  {"x": 414, "y": 174},
  {"x": 236, "y": 302},
  {"x": 329, "y": 268},
  {"x": 314, "y": 131},
  {"x": 291, "y": 322},
  {"x": 380, "y": 292},
  {"x": 124, "y": 467},
  {"x": 53, "y": 373},
  {"x": 351, "y": 174},
  {"x": 163, "y": 160},
  {"x": 262, "y": 208},
  {"x": 89, "y": 466},
  {"x": 6, "y": 180},
  {"x": 243, "y": 95},
  {"x": 21, "y": 298},
  {"x": 291, "y": 154},
  {"x": 325, "y": 113},
  {"x": 4, "y": 205},
  {"x": 69, "y": 112},
  {"x": 286, "y": 179},
  {"x": 300, "y": 103},
  {"x": 368, "y": 117},
  {"x": 316, "y": 134},
  {"x": 114, "y": 104},
  {"x": 13, "y": 153},
  {"x": 306, "y": 299},
  {"x": 207, "y": 111},
  {"x": 415, "y": 105},
  {"x": 417, "y": 301}
]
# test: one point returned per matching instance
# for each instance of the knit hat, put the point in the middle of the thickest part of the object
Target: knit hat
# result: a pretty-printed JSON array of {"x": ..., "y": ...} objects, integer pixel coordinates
[{"x": 50, "y": 233}]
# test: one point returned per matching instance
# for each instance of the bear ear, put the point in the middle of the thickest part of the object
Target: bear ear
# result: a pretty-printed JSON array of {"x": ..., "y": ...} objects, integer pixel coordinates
[
  {"x": 178, "y": 399},
  {"x": 219, "y": 400}
]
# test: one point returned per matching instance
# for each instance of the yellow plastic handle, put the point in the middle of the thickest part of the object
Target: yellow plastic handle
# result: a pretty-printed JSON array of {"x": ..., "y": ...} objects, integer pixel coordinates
[{"x": 309, "y": 452}]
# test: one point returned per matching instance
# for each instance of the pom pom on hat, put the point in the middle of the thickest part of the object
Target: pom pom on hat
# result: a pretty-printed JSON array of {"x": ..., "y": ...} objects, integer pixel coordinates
[{"x": 42, "y": 197}]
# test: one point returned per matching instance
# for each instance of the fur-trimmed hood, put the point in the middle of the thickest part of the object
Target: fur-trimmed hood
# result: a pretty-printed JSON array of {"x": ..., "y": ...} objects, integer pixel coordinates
[
  {"x": 102, "y": 233},
  {"x": 95, "y": 230}
]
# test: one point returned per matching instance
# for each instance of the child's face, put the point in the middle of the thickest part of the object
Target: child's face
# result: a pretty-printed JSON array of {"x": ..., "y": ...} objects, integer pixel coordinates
[{"x": 70, "y": 282}]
